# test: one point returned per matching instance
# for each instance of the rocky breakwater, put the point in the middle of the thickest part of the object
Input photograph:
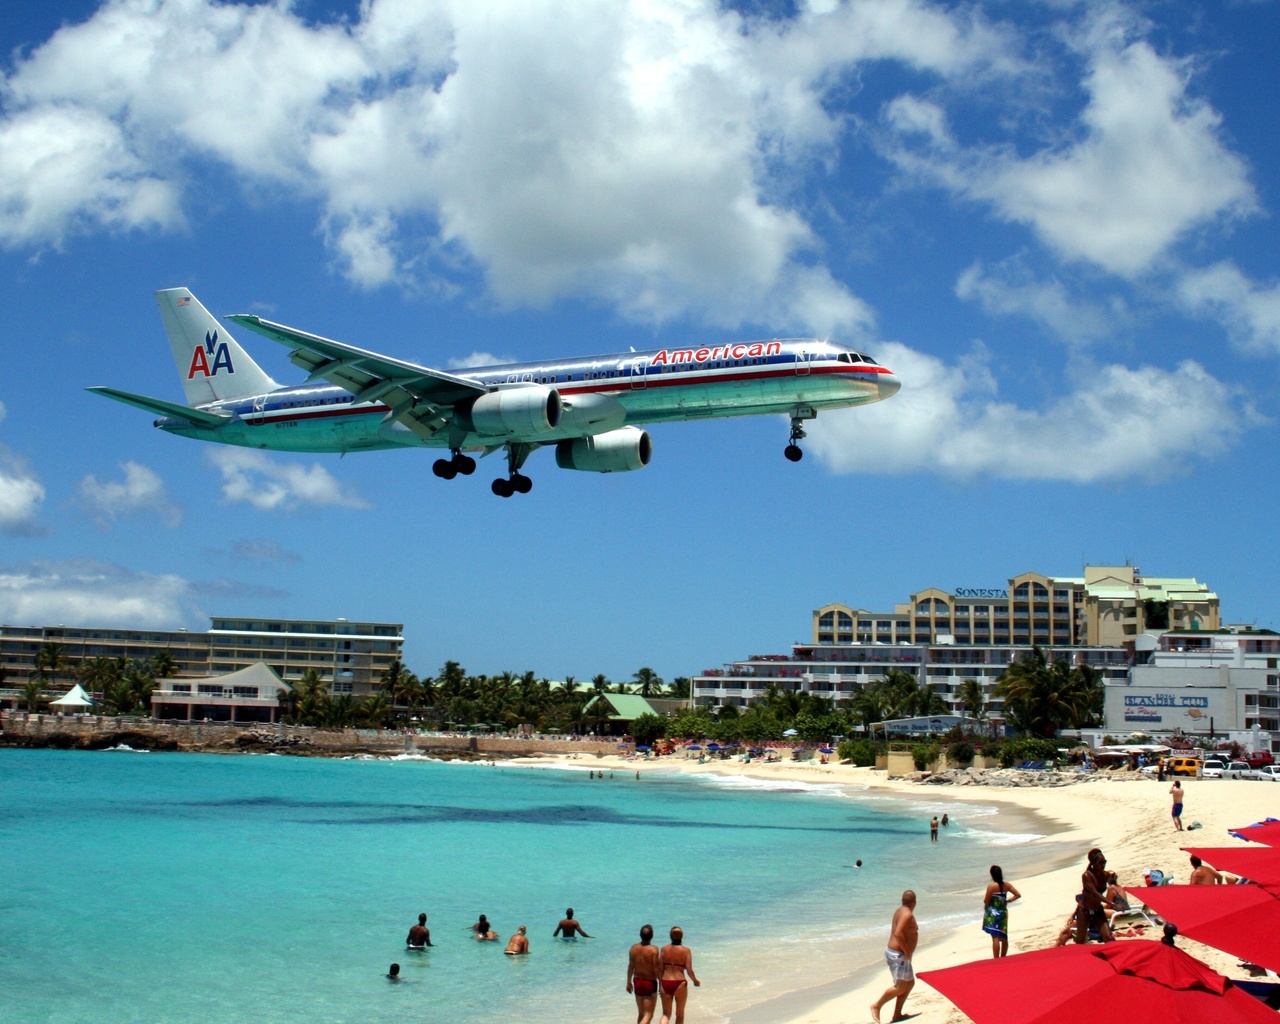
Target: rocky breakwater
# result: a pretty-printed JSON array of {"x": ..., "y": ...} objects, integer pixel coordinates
[{"x": 1006, "y": 778}]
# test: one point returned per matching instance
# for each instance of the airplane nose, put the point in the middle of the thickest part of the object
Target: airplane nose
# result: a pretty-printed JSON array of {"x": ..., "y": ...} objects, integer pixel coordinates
[{"x": 889, "y": 385}]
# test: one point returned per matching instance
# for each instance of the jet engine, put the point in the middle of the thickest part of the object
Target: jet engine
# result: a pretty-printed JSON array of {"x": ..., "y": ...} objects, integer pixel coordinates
[
  {"x": 616, "y": 451},
  {"x": 508, "y": 412}
]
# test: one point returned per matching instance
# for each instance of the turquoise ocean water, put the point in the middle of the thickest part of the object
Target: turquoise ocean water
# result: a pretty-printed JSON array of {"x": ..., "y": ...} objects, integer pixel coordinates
[{"x": 217, "y": 889}]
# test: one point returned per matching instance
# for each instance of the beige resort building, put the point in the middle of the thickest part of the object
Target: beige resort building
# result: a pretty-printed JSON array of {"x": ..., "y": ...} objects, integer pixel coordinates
[{"x": 1109, "y": 606}]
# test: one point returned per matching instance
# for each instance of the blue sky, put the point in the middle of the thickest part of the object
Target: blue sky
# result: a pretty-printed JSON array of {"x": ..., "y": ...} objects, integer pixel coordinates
[{"x": 1055, "y": 222}]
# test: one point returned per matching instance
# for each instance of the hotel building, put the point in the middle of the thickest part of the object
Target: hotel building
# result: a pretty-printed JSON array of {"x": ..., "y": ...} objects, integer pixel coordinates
[
  {"x": 1110, "y": 606},
  {"x": 1225, "y": 683},
  {"x": 839, "y": 672},
  {"x": 352, "y": 656}
]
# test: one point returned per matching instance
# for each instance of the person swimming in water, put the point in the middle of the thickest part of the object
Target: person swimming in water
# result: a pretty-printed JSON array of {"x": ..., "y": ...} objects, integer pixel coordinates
[
  {"x": 569, "y": 927},
  {"x": 518, "y": 944},
  {"x": 419, "y": 935}
]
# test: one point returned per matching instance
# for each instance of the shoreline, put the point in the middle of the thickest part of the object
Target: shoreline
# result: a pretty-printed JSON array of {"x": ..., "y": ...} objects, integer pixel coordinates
[{"x": 1126, "y": 815}]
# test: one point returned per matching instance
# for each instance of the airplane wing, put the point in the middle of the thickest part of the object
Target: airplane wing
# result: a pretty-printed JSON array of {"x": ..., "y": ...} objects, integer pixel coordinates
[
  {"x": 419, "y": 397},
  {"x": 199, "y": 417}
]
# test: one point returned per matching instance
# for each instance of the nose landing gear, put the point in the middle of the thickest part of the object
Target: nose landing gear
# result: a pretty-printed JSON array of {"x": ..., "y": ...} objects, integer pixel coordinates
[{"x": 799, "y": 414}]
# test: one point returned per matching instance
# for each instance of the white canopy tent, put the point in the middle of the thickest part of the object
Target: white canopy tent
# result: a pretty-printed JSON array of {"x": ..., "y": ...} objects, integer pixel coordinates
[{"x": 73, "y": 700}]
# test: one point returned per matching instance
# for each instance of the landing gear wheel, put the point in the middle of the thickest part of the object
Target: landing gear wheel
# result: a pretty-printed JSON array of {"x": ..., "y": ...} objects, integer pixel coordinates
[
  {"x": 464, "y": 464},
  {"x": 522, "y": 483},
  {"x": 798, "y": 415},
  {"x": 445, "y": 469},
  {"x": 503, "y": 488}
]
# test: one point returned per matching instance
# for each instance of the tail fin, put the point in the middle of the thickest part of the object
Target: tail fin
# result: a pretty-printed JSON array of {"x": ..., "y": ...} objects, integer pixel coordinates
[{"x": 212, "y": 366}]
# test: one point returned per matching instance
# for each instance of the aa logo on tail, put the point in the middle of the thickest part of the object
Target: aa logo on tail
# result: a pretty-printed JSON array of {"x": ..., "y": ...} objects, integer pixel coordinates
[{"x": 214, "y": 348}]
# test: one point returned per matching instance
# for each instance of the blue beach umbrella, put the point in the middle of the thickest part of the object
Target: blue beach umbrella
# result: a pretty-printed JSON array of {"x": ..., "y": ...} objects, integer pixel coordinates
[
  {"x": 713, "y": 746},
  {"x": 643, "y": 747},
  {"x": 694, "y": 746}
]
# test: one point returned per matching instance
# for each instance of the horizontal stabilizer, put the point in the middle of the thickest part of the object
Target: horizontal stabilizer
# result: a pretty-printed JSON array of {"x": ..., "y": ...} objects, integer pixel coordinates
[{"x": 198, "y": 417}]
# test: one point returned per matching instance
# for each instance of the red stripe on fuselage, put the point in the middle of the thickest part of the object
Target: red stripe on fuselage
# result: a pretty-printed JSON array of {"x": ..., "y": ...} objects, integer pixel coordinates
[{"x": 679, "y": 378}]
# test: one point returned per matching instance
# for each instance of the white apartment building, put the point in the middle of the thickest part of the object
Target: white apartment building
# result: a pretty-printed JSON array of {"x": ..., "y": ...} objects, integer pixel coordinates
[{"x": 1224, "y": 682}]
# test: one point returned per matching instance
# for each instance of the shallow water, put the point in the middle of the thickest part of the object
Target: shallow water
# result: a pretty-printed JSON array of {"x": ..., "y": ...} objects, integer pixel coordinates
[{"x": 204, "y": 888}]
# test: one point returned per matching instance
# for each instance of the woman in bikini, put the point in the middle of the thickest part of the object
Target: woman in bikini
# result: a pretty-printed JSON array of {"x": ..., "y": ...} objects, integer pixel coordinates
[
  {"x": 995, "y": 911},
  {"x": 676, "y": 960}
]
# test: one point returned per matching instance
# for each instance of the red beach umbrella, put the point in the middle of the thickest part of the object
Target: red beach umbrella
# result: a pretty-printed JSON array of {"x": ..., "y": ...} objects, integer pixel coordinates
[
  {"x": 1242, "y": 920},
  {"x": 1256, "y": 863},
  {"x": 1267, "y": 832},
  {"x": 1139, "y": 982}
]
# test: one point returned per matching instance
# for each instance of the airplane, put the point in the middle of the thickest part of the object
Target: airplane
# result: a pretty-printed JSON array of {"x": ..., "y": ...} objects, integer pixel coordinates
[{"x": 588, "y": 409}]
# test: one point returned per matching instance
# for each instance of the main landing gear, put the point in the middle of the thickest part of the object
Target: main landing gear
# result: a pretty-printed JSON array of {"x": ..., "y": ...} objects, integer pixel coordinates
[
  {"x": 447, "y": 469},
  {"x": 515, "y": 482},
  {"x": 799, "y": 414}
]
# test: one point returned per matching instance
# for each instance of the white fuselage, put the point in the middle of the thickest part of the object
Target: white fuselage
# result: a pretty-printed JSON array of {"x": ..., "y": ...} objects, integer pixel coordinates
[{"x": 793, "y": 377}]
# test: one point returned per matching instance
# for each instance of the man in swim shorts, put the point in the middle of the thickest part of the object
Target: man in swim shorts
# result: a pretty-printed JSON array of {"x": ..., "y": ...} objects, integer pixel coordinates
[
  {"x": 518, "y": 944},
  {"x": 643, "y": 969},
  {"x": 904, "y": 933},
  {"x": 1176, "y": 792},
  {"x": 676, "y": 960},
  {"x": 419, "y": 935},
  {"x": 569, "y": 928}
]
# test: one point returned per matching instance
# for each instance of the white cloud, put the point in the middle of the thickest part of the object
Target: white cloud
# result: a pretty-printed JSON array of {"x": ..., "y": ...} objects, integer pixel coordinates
[
  {"x": 93, "y": 593},
  {"x": 1117, "y": 423},
  {"x": 1250, "y": 312},
  {"x": 1009, "y": 289},
  {"x": 1145, "y": 164},
  {"x": 257, "y": 479},
  {"x": 66, "y": 169},
  {"x": 636, "y": 152},
  {"x": 21, "y": 492},
  {"x": 478, "y": 359},
  {"x": 142, "y": 490}
]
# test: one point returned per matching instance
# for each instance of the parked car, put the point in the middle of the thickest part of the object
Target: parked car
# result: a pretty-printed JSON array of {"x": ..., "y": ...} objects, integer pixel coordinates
[
  {"x": 1268, "y": 772},
  {"x": 1238, "y": 770},
  {"x": 1185, "y": 766},
  {"x": 1258, "y": 758},
  {"x": 1212, "y": 769}
]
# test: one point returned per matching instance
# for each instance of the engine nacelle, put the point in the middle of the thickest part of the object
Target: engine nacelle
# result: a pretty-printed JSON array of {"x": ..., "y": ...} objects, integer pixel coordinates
[
  {"x": 509, "y": 412},
  {"x": 592, "y": 414},
  {"x": 617, "y": 451}
]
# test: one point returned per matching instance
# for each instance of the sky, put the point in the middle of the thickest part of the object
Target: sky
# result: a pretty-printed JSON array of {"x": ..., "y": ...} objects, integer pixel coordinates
[{"x": 1054, "y": 221}]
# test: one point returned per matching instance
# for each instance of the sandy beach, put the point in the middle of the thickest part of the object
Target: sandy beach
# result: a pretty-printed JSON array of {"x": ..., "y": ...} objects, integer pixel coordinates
[{"x": 1126, "y": 815}]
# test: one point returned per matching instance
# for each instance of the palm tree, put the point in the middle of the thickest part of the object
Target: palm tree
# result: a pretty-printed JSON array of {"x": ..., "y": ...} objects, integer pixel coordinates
[
  {"x": 1040, "y": 698},
  {"x": 164, "y": 665},
  {"x": 973, "y": 699},
  {"x": 313, "y": 698},
  {"x": 33, "y": 693},
  {"x": 51, "y": 659},
  {"x": 98, "y": 673},
  {"x": 649, "y": 681},
  {"x": 401, "y": 685},
  {"x": 375, "y": 709}
]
